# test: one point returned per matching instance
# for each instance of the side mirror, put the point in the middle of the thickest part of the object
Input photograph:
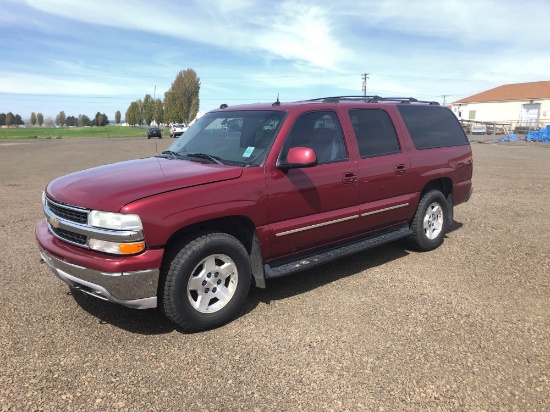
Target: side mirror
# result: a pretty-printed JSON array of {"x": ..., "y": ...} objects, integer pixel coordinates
[{"x": 299, "y": 157}]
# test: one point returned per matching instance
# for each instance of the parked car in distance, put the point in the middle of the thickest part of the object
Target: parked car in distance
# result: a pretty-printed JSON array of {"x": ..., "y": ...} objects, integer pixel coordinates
[
  {"x": 254, "y": 192},
  {"x": 177, "y": 129},
  {"x": 154, "y": 132}
]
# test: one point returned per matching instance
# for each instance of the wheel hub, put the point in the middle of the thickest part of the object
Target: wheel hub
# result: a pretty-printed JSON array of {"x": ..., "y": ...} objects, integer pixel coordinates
[
  {"x": 433, "y": 221},
  {"x": 212, "y": 284}
]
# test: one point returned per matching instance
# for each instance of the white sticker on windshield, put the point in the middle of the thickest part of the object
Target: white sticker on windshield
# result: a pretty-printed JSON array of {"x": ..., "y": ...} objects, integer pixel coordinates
[{"x": 248, "y": 151}]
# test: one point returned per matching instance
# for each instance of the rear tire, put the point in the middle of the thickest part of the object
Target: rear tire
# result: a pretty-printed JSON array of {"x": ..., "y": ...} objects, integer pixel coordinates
[
  {"x": 430, "y": 222},
  {"x": 207, "y": 281}
]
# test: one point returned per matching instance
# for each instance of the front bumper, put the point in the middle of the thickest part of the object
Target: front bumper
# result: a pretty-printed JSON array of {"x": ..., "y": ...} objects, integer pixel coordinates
[{"x": 120, "y": 281}]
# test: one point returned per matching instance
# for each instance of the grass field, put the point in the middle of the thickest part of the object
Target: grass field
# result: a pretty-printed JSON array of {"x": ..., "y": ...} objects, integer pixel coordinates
[{"x": 73, "y": 132}]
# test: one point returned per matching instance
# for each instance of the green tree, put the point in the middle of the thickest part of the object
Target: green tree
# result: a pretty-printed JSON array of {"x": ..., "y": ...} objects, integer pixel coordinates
[
  {"x": 182, "y": 99},
  {"x": 159, "y": 111},
  {"x": 2, "y": 119},
  {"x": 40, "y": 119},
  {"x": 33, "y": 119},
  {"x": 148, "y": 109},
  {"x": 101, "y": 119},
  {"x": 9, "y": 119},
  {"x": 117, "y": 117},
  {"x": 18, "y": 120},
  {"x": 71, "y": 121},
  {"x": 139, "y": 103},
  {"x": 84, "y": 120},
  {"x": 60, "y": 118},
  {"x": 128, "y": 116},
  {"x": 133, "y": 115}
]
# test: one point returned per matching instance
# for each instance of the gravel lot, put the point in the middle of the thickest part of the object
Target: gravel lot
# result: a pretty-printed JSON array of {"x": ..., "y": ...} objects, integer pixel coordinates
[{"x": 465, "y": 327}]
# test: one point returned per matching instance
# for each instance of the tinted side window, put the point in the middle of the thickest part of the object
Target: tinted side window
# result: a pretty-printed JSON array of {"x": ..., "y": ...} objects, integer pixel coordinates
[
  {"x": 320, "y": 131},
  {"x": 374, "y": 132},
  {"x": 432, "y": 127}
]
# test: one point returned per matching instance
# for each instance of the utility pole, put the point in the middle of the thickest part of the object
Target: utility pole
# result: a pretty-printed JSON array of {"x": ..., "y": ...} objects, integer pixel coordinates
[
  {"x": 444, "y": 96},
  {"x": 365, "y": 77}
]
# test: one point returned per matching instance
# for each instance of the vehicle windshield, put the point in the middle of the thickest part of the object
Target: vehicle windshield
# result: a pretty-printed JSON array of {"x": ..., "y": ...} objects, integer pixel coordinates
[{"x": 230, "y": 137}]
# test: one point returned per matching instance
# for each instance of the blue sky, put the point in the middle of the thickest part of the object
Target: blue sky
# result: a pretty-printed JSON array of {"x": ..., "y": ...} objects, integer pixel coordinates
[{"x": 87, "y": 56}]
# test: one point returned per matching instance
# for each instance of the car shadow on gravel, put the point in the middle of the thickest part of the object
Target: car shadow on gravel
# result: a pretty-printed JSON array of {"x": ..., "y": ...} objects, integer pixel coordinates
[
  {"x": 140, "y": 321},
  {"x": 308, "y": 280},
  {"x": 302, "y": 282},
  {"x": 152, "y": 322}
]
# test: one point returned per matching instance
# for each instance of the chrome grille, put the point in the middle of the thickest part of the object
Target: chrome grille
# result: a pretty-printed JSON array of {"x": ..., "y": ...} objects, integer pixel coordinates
[
  {"x": 70, "y": 224},
  {"x": 70, "y": 236},
  {"x": 68, "y": 213}
]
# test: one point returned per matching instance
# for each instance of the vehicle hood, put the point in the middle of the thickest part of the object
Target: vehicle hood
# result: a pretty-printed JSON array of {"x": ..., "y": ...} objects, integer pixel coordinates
[{"x": 113, "y": 186}]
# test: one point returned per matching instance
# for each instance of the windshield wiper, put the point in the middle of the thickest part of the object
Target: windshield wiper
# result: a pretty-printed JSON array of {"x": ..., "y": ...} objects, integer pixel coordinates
[
  {"x": 175, "y": 155},
  {"x": 215, "y": 159}
]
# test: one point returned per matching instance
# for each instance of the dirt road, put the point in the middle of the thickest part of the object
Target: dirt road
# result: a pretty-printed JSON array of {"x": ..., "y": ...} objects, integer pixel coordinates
[{"x": 464, "y": 327}]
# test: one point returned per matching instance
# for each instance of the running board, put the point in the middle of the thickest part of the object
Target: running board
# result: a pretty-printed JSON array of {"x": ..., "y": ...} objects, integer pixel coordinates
[{"x": 326, "y": 256}]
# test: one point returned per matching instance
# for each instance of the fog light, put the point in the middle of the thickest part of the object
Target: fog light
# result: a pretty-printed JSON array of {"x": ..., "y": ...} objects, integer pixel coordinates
[{"x": 116, "y": 248}]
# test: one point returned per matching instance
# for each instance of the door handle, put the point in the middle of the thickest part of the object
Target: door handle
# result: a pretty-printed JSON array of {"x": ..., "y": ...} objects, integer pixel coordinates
[
  {"x": 400, "y": 170},
  {"x": 349, "y": 178}
]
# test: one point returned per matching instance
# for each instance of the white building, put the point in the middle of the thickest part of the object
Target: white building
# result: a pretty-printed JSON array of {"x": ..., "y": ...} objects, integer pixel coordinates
[{"x": 510, "y": 107}]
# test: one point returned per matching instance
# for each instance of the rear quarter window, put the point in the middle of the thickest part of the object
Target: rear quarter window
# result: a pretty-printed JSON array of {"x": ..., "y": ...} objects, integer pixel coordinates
[{"x": 432, "y": 126}]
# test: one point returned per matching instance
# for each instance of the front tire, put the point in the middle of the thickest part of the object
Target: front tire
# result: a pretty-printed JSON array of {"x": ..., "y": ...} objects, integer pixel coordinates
[
  {"x": 430, "y": 222},
  {"x": 207, "y": 281}
]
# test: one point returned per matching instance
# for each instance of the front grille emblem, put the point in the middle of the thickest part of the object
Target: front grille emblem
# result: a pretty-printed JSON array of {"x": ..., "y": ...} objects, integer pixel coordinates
[{"x": 54, "y": 222}]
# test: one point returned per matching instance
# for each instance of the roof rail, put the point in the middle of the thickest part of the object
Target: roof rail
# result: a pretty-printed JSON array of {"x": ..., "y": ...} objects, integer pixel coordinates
[{"x": 373, "y": 99}]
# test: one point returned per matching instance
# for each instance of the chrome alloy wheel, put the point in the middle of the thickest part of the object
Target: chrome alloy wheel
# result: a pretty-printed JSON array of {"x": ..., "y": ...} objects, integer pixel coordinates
[
  {"x": 433, "y": 221},
  {"x": 213, "y": 283}
]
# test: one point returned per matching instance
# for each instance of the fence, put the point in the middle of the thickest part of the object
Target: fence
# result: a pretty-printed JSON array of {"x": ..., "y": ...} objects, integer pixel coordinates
[{"x": 487, "y": 131}]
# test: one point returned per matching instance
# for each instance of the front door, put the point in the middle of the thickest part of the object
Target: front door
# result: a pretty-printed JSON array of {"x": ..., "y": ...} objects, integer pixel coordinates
[{"x": 312, "y": 206}]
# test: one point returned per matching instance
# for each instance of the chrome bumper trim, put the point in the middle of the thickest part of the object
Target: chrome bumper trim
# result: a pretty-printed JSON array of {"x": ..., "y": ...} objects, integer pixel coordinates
[{"x": 132, "y": 289}]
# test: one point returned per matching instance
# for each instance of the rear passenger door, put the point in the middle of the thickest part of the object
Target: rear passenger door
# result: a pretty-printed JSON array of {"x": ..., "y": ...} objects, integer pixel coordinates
[{"x": 383, "y": 170}]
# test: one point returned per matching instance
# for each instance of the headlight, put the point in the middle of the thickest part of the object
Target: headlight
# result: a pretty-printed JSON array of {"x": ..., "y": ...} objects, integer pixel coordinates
[{"x": 115, "y": 221}]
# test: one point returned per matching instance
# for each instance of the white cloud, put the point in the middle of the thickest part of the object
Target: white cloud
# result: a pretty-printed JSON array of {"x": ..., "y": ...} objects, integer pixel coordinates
[
  {"x": 289, "y": 30},
  {"x": 303, "y": 48},
  {"x": 473, "y": 22},
  {"x": 42, "y": 84}
]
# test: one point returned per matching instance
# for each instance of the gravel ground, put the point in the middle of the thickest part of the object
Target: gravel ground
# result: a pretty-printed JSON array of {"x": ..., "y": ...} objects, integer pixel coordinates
[{"x": 465, "y": 327}]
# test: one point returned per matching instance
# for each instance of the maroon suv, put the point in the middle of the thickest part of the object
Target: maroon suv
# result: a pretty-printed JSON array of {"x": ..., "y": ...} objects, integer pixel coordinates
[{"x": 255, "y": 192}]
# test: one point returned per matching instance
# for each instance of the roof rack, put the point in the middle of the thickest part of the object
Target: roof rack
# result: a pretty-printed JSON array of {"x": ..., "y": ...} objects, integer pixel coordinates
[{"x": 373, "y": 99}]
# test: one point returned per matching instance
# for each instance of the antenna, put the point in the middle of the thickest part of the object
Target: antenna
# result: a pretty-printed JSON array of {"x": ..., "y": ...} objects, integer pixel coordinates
[{"x": 277, "y": 103}]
